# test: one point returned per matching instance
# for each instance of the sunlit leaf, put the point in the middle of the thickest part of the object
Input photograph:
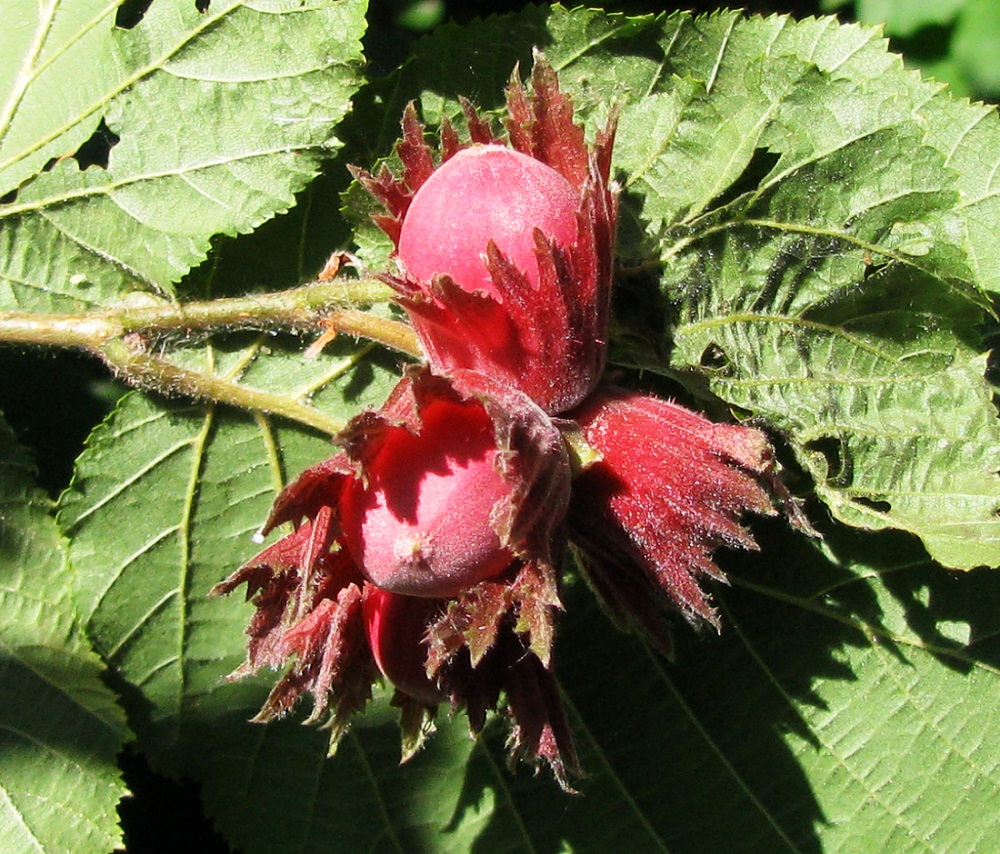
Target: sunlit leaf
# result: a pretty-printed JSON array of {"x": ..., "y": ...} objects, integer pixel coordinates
[{"x": 253, "y": 92}]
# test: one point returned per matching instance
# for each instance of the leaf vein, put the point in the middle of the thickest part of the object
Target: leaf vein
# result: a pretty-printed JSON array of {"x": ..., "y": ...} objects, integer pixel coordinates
[
  {"x": 127, "y": 483},
  {"x": 383, "y": 808},
  {"x": 610, "y": 771},
  {"x": 610, "y": 33},
  {"x": 204, "y": 22},
  {"x": 717, "y": 751},
  {"x": 142, "y": 621}
]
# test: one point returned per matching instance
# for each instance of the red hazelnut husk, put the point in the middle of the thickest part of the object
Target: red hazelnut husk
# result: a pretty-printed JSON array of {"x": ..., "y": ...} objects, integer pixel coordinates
[
  {"x": 308, "y": 603},
  {"x": 506, "y": 248},
  {"x": 422, "y": 553},
  {"x": 668, "y": 488}
]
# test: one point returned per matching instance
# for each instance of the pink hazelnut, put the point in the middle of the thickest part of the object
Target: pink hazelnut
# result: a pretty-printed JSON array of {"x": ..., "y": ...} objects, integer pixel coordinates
[
  {"x": 396, "y": 627},
  {"x": 482, "y": 194},
  {"x": 422, "y": 520}
]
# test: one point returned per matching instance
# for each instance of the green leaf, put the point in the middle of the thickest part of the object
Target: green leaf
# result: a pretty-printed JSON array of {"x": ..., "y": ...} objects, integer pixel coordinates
[
  {"x": 880, "y": 389},
  {"x": 164, "y": 504},
  {"x": 773, "y": 166},
  {"x": 60, "y": 727},
  {"x": 293, "y": 798},
  {"x": 793, "y": 108},
  {"x": 222, "y": 115},
  {"x": 848, "y": 705},
  {"x": 876, "y": 377},
  {"x": 820, "y": 275},
  {"x": 52, "y": 64}
]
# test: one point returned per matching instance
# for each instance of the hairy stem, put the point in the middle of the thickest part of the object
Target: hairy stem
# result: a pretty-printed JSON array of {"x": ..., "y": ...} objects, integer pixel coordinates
[
  {"x": 120, "y": 337},
  {"x": 303, "y": 308},
  {"x": 145, "y": 370},
  {"x": 361, "y": 324}
]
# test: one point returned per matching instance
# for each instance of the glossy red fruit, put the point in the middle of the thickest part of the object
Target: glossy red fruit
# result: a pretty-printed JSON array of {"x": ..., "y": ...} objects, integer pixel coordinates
[
  {"x": 506, "y": 248},
  {"x": 396, "y": 627},
  {"x": 484, "y": 194},
  {"x": 422, "y": 520}
]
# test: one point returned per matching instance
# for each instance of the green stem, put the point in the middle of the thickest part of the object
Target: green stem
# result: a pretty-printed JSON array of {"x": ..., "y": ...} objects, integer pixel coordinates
[
  {"x": 119, "y": 337},
  {"x": 298, "y": 309},
  {"x": 142, "y": 369},
  {"x": 362, "y": 324}
]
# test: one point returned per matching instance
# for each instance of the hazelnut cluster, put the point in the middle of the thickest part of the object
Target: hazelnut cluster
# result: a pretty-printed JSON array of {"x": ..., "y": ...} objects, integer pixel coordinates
[{"x": 427, "y": 550}]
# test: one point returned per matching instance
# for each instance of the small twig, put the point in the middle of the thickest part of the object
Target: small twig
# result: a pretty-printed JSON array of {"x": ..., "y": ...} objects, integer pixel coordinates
[
  {"x": 363, "y": 324},
  {"x": 119, "y": 336},
  {"x": 142, "y": 369},
  {"x": 294, "y": 310}
]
